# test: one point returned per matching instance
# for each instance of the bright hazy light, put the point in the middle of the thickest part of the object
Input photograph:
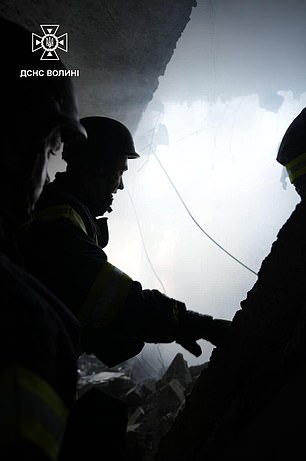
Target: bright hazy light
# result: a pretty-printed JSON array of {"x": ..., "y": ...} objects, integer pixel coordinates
[
  {"x": 216, "y": 152},
  {"x": 221, "y": 160}
]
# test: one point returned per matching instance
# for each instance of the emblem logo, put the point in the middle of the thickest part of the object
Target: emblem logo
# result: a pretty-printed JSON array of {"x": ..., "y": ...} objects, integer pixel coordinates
[{"x": 49, "y": 42}]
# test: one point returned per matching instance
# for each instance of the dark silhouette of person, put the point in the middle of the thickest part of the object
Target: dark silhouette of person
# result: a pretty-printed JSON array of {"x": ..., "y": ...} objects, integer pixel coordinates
[
  {"x": 65, "y": 249},
  {"x": 40, "y": 338},
  {"x": 250, "y": 402}
]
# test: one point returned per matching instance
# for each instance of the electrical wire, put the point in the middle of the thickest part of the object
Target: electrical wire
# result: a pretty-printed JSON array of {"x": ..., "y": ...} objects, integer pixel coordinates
[
  {"x": 196, "y": 222},
  {"x": 161, "y": 361},
  {"x": 143, "y": 243},
  {"x": 149, "y": 146}
]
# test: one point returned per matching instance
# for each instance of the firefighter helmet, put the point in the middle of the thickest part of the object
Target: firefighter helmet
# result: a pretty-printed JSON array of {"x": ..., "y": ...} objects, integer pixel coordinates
[
  {"x": 292, "y": 149},
  {"x": 107, "y": 138}
]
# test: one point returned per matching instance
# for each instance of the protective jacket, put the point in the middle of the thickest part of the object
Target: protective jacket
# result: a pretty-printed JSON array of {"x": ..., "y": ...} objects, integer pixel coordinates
[
  {"x": 64, "y": 249},
  {"x": 39, "y": 346}
]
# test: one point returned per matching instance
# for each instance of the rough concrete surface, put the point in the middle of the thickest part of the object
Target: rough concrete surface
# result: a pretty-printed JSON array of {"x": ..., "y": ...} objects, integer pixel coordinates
[{"x": 121, "y": 47}]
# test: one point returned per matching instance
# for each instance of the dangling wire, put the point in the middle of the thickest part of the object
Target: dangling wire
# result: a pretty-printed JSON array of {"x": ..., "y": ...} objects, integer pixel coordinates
[
  {"x": 161, "y": 360},
  {"x": 196, "y": 222},
  {"x": 151, "y": 150},
  {"x": 143, "y": 243}
]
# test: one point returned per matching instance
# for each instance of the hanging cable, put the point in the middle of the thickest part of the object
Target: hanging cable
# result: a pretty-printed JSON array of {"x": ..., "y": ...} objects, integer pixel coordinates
[
  {"x": 151, "y": 150},
  {"x": 143, "y": 243},
  {"x": 196, "y": 222},
  {"x": 161, "y": 360}
]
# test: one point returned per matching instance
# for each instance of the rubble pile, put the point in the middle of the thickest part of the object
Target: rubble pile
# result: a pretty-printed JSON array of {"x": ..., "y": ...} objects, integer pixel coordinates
[{"x": 152, "y": 403}]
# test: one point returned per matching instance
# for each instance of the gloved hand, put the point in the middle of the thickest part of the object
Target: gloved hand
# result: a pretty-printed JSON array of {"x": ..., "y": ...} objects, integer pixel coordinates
[
  {"x": 193, "y": 326},
  {"x": 163, "y": 320}
]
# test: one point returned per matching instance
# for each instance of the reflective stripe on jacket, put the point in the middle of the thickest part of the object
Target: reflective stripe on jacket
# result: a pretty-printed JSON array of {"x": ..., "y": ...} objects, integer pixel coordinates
[
  {"x": 106, "y": 296},
  {"x": 110, "y": 288},
  {"x": 39, "y": 415},
  {"x": 55, "y": 212}
]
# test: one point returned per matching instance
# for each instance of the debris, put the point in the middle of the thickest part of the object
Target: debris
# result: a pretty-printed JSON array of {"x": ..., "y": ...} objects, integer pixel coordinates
[{"x": 152, "y": 404}]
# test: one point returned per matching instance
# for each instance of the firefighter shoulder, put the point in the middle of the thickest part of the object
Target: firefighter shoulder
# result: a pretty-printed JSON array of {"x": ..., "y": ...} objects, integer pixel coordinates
[
  {"x": 39, "y": 339},
  {"x": 38, "y": 367}
]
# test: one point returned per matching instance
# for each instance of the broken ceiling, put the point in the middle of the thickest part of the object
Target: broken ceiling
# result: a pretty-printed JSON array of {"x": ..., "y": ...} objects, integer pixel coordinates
[{"x": 121, "y": 47}]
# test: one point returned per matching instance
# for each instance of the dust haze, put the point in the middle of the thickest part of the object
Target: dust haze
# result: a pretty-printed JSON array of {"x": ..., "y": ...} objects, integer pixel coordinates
[{"x": 203, "y": 205}]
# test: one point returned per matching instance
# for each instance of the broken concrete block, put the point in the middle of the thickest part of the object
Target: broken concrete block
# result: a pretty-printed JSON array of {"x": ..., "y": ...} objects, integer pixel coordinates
[
  {"x": 148, "y": 387},
  {"x": 196, "y": 370},
  {"x": 178, "y": 369},
  {"x": 170, "y": 397},
  {"x": 133, "y": 397},
  {"x": 136, "y": 416}
]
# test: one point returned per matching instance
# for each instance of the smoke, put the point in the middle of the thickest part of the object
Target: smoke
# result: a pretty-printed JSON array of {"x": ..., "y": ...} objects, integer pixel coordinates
[{"x": 205, "y": 201}]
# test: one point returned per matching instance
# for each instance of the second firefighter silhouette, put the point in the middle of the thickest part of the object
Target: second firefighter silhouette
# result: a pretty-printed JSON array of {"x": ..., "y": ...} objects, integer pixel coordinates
[{"x": 64, "y": 249}]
